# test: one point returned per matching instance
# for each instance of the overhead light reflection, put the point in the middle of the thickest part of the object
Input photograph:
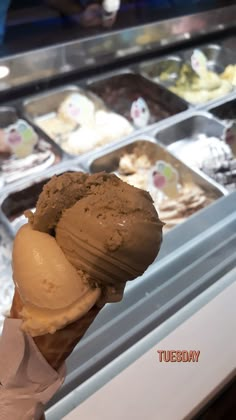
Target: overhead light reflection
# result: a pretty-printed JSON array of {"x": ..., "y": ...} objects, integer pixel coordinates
[{"x": 4, "y": 71}]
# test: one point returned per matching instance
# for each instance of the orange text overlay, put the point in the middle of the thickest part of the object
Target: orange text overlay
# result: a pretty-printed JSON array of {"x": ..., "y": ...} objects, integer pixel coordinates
[{"x": 174, "y": 356}]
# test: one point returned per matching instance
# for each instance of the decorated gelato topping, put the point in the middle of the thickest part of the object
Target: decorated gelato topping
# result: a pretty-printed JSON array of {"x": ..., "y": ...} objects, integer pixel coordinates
[
  {"x": 199, "y": 63},
  {"x": 165, "y": 178},
  {"x": 78, "y": 109},
  {"x": 19, "y": 139},
  {"x": 140, "y": 113},
  {"x": 22, "y": 152}
]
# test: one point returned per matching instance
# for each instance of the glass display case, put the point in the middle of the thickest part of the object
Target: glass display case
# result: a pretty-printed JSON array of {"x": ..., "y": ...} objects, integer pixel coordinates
[{"x": 140, "y": 78}]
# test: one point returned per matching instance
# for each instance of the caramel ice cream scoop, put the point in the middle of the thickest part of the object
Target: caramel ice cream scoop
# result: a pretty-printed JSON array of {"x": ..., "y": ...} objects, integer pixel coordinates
[
  {"x": 52, "y": 291},
  {"x": 89, "y": 235}
]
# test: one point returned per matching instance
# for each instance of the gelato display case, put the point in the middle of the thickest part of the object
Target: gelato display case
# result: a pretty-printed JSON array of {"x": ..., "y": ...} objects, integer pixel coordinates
[{"x": 134, "y": 103}]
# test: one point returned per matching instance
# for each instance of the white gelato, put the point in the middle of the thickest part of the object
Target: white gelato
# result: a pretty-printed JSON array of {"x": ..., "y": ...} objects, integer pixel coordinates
[
  {"x": 205, "y": 153},
  {"x": 82, "y": 140},
  {"x": 111, "y": 126}
]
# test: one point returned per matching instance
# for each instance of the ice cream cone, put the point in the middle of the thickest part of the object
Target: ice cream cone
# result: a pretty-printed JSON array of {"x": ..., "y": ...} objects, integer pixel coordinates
[
  {"x": 89, "y": 235},
  {"x": 58, "y": 346}
]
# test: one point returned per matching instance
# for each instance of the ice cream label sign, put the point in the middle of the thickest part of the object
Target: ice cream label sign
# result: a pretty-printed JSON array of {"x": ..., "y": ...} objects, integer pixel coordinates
[
  {"x": 73, "y": 107},
  {"x": 140, "y": 113},
  {"x": 199, "y": 63},
  {"x": 21, "y": 138},
  {"x": 78, "y": 108},
  {"x": 164, "y": 177},
  {"x": 230, "y": 133}
]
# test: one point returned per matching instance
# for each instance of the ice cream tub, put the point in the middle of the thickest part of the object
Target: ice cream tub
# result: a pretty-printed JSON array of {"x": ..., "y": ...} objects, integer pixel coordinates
[
  {"x": 199, "y": 76},
  {"x": 177, "y": 190},
  {"x": 77, "y": 120},
  {"x": 23, "y": 150},
  {"x": 221, "y": 64},
  {"x": 23, "y": 196},
  {"x": 201, "y": 142},
  {"x": 138, "y": 99}
]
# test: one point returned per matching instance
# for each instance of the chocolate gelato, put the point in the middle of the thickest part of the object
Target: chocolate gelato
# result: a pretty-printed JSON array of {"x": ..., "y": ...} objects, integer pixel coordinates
[
  {"x": 89, "y": 235},
  {"x": 132, "y": 96}
]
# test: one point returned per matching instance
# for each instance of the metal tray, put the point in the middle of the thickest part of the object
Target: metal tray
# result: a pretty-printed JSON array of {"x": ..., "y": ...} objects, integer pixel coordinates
[
  {"x": 48, "y": 103},
  {"x": 189, "y": 128},
  {"x": 154, "y": 151},
  {"x": 12, "y": 168},
  {"x": 45, "y": 107},
  {"x": 177, "y": 135},
  {"x": 24, "y": 195},
  {"x": 109, "y": 162},
  {"x": 120, "y": 91},
  {"x": 153, "y": 69},
  {"x": 217, "y": 56},
  {"x": 217, "y": 59},
  {"x": 225, "y": 111}
]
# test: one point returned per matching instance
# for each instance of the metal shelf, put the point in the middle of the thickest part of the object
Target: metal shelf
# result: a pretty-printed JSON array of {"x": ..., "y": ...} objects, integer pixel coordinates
[
  {"x": 148, "y": 344},
  {"x": 193, "y": 257}
]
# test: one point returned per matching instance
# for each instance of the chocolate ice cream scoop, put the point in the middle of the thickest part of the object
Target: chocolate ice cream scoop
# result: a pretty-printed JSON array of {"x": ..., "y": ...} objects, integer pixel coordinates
[
  {"x": 104, "y": 226},
  {"x": 89, "y": 235},
  {"x": 62, "y": 192},
  {"x": 113, "y": 235}
]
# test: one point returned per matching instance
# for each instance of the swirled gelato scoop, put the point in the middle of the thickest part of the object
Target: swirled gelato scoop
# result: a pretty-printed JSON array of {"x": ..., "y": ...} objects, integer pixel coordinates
[{"x": 89, "y": 235}]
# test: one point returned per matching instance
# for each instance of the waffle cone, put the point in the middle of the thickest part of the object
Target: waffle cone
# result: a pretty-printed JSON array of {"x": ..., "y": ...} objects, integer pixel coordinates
[{"x": 58, "y": 346}]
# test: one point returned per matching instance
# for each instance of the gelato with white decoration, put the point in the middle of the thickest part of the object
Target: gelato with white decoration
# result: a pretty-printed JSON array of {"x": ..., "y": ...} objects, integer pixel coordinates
[{"x": 80, "y": 125}]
